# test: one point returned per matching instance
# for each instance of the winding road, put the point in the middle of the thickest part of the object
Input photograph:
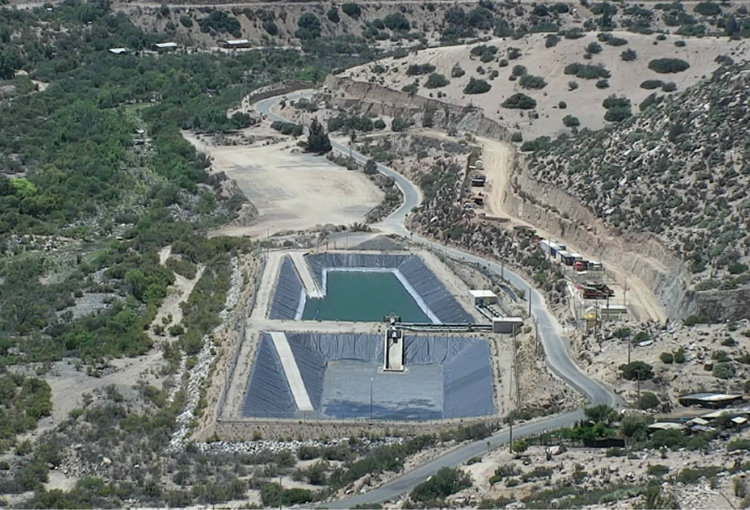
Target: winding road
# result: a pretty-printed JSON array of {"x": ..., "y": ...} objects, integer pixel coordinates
[{"x": 555, "y": 344}]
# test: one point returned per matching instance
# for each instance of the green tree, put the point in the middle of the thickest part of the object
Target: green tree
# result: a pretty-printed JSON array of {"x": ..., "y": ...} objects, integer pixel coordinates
[
  {"x": 308, "y": 27},
  {"x": 637, "y": 370},
  {"x": 445, "y": 482},
  {"x": 318, "y": 141}
]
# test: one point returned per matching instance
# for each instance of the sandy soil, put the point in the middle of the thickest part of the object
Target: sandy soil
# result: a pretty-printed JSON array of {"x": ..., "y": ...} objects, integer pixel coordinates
[
  {"x": 292, "y": 190},
  {"x": 549, "y": 63}
]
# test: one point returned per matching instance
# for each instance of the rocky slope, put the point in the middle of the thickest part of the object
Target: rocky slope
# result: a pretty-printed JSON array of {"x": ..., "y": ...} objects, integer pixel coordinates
[{"x": 679, "y": 171}]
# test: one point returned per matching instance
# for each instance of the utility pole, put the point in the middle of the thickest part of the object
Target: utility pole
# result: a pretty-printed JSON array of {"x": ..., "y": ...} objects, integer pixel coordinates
[
  {"x": 629, "y": 345},
  {"x": 529, "y": 300},
  {"x": 515, "y": 369},
  {"x": 536, "y": 336},
  {"x": 625, "y": 294}
]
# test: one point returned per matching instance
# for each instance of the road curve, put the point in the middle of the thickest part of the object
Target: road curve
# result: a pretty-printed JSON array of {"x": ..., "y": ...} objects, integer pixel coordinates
[{"x": 555, "y": 344}]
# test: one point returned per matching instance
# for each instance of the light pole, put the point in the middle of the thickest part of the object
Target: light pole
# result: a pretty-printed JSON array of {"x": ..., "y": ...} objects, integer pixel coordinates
[{"x": 371, "y": 398}]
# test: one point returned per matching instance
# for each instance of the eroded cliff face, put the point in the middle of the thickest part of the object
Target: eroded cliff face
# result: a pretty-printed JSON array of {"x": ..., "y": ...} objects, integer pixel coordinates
[
  {"x": 643, "y": 255},
  {"x": 348, "y": 94}
]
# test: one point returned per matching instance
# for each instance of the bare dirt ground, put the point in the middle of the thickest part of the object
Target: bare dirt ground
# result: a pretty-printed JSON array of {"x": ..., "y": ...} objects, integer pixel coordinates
[
  {"x": 549, "y": 63},
  {"x": 292, "y": 191}
]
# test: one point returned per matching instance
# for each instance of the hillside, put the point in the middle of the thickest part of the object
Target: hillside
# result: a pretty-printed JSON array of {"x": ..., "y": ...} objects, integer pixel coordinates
[
  {"x": 532, "y": 67},
  {"x": 679, "y": 170}
]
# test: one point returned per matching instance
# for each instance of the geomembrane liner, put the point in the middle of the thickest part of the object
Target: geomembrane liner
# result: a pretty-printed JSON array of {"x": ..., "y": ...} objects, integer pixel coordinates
[
  {"x": 446, "y": 377},
  {"x": 427, "y": 288}
]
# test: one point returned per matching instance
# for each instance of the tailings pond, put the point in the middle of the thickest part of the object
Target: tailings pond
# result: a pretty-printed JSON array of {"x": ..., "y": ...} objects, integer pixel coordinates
[{"x": 363, "y": 296}]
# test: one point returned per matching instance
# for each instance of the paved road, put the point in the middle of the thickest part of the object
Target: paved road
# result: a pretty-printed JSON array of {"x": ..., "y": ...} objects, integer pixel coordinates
[{"x": 555, "y": 344}]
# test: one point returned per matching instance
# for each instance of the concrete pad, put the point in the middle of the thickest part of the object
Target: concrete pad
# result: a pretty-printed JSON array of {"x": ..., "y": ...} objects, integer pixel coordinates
[
  {"x": 293, "y": 376},
  {"x": 311, "y": 287}
]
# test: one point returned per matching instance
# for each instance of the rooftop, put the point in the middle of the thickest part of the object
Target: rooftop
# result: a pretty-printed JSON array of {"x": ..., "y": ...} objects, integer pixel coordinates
[{"x": 482, "y": 293}]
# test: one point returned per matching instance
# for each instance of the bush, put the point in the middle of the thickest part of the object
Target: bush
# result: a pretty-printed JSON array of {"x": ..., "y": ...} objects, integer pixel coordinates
[
  {"x": 572, "y": 85},
  {"x": 543, "y": 143},
  {"x": 707, "y": 9},
  {"x": 628, "y": 55},
  {"x": 637, "y": 370},
  {"x": 519, "y": 101},
  {"x": 635, "y": 426},
  {"x": 516, "y": 137},
  {"x": 379, "y": 124},
  {"x": 551, "y": 41},
  {"x": 351, "y": 9},
  {"x": 602, "y": 84},
  {"x": 186, "y": 21},
  {"x": 399, "y": 124},
  {"x": 668, "y": 65},
  {"x": 397, "y": 21},
  {"x": 435, "y": 81},
  {"x": 657, "y": 470},
  {"x": 724, "y": 371},
  {"x": 562, "y": 105},
  {"x": 587, "y": 71},
  {"x": 593, "y": 48},
  {"x": 457, "y": 72},
  {"x": 670, "y": 86},
  {"x": 666, "y": 357},
  {"x": 680, "y": 44},
  {"x": 571, "y": 121},
  {"x": 477, "y": 87},
  {"x": 273, "y": 495},
  {"x": 333, "y": 15},
  {"x": 679, "y": 356},
  {"x": 176, "y": 330},
  {"x": 418, "y": 70},
  {"x": 271, "y": 28},
  {"x": 308, "y": 452},
  {"x": 445, "y": 482},
  {"x": 616, "y": 41},
  {"x": 519, "y": 70},
  {"x": 739, "y": 444},
  {"x": 651, "y": 84},
  {"x": 308, "y": 26},
  {"x": 648, "y": 401},
  {"x": 615, "y": 452},
  {"x": 528, "y": 81}
]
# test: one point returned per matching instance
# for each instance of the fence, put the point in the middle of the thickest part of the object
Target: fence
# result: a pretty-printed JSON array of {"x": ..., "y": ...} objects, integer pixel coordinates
[{"x": 317, "y": 416}]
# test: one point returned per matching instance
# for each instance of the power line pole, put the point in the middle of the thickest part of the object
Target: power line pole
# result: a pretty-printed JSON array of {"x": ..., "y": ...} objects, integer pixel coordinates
[{"x": 529, "y": 300}]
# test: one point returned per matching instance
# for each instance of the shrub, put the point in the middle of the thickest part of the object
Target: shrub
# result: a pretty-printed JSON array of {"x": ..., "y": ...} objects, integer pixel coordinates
[
  {"x": 457, "y": 72},
  {"x": 668, "y": 65},
  {"x": 308, "y": 26},
  {"x": 724, "y": 371},
  {"x": 593, "y": 48},
  {"x": 271, "y": 28},
  {"x": 724, "y": 60},
  {"x": 435, "y": 81},
  {"x": 514, "y": 53},
  {"x": 308, "y": 452},
  {"x": 680, "y": 43},
  {"x": 651, "y": 84},
  {"x": 543, "y": 143},
  {"x": 186, "y": 21},
  {"x": 399, "y": 124},
  {"x": 519, "y": 70},
  {"x": 670, "y": 86},
  {"x": 551, "y": 41},
  {"x": 333, "y": 15},
  {"x": 411, "y": 88},
  {"x": 571, "y": 121},
  {"x": 176, "y": 330},
  {"x": 634, "y": 425},
  {"x": 615, "y": 452},
  {"x": 519, "y": 101},
  {"x": 379, "y": 124},
  {"x": 572, "y": 85},
  {"x": 648, "y": 401},
  {"x": 397, "y": 21},
  {"x": 657, "y": 470},
  {"x": 628, "y": 55},
  {"x": 587, "y": 71},
  {"x": 562, "y": 105},
  {"x": 442, "y": 484},
  {"x": 637, "y": 370},
  {"x": 528, "y": 81},
  {"x": 418, "y": 70},
  {"x": 602, "y": 84},
  {"x": 477, "y": 87},
  {"x": 739, "y": 444},
  {"x": 666, "y": 357},
  {"x": 616, "y": 41},
  {"x": 351, "y": 9},
  {"x": 516, "y": 137},
  {"x": 707, "y": 9},
  {"x": 273, "y": 495},
  {"x": 512, "y": 482},
  {"x": 679, "y": 356}
]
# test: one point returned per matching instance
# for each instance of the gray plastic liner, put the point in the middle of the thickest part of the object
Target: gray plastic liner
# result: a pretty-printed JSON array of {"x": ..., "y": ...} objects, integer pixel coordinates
[
  {"x": 466, "y": 378},
  {"x": 288, "y": 294},
  {"x": 268, "y": 392},
  {"x": 428, "y": 286}
]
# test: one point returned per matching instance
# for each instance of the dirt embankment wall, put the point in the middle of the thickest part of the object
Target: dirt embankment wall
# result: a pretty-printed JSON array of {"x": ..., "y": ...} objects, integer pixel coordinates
[
  {"x": 278, "y": 89},
  {"x": 643, "y": 255},
  {"x": 347, "y": 94},
  {"x": 245, "y": 430}
]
